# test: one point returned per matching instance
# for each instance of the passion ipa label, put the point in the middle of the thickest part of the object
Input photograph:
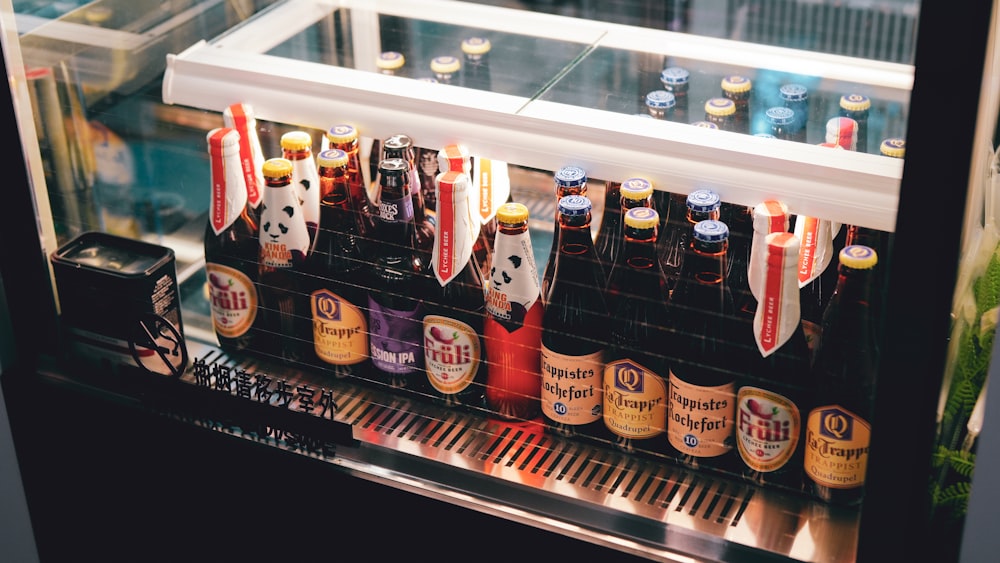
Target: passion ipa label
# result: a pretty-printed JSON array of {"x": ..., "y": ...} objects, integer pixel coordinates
[
  {"x": 233, "y": 298},
  {"x": 767, "y": 429},
  {"x": 451, "y": 353},
  {"x": 571, "y": 387},
  {"x": 635, "y": 400},
  {"x": 340, "y": 330},
  {"x": 700, "y": 420},
  {"x": 836, "y": 453},
  {"x": 396, "y": 338}
]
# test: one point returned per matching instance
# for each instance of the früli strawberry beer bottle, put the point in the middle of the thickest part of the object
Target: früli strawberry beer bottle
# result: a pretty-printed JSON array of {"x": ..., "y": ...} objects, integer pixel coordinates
[
  {"x": 513, "y": 325},
  {"x": 231, "y": 247}
]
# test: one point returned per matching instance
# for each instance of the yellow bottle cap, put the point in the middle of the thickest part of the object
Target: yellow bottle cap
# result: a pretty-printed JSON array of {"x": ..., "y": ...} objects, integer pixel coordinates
[
  {"x": 476, "y": 46},
  {"x": 296, "y": 141},
  {"x": 512, "y": 213},
  {"x": 855, "y": 102},
  {"x": 859, "y": 257},
  {"x": 332, "y": 158},
  {"x": 390, "y": 60},
  {"x": 720, "y": 107},
  {"x": 893, "y": 147},
  {"x": 339, "y": 134},
  {"x": 445, "y": 65},
  {"x": 636, "y": 189},
  {"x": 276, "y": 168},
  {"x": 642, "y": 218},
  {"x": 736, "y": 84}
]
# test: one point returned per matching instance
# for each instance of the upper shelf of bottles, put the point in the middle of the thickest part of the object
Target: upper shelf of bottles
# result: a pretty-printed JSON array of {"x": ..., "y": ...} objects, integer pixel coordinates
[{"x": 564, "y": 91}]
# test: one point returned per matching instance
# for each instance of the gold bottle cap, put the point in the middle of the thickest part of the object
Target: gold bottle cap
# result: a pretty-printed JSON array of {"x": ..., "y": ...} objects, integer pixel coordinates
[
  {"x": 332, "y": 158},
  {"x": 342, "y": 133},
  {"x": 855, "y": 102},
  {"x": 636, "y": 189},
  {"x": 720, "y": 107},
  {"x": 736, "y": 84},
  {"x": 642, "y": 218},
  {"x": 859, "y": 257},
  {"x": 894, "y": 147},
  {"x": 277, "y": 168},
  {"x": 512, "y": 213},
  {"x": 445, "y": 65},
  {"x": 390, "y": 60},
  {"x": 476, "y": 46},
  {"x": 296, "y": 141}
]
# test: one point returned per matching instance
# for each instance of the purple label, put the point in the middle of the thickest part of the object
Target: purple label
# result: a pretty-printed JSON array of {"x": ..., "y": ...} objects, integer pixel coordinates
[
  {"x": 396, "y": 338},
  {"x": 396, "y": 210}
]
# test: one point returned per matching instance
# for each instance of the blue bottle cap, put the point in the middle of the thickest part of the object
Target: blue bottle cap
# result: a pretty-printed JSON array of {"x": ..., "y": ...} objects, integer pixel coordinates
[
  {"x": 570, "y": 177},
  {"x": 780, "y": 115},
  {"x": 574, "y": 205},
  {"x": 674, "y": 76},
  {"x": 711, "y": 230},
  {"x": 703, "y": 201},
  {"x": 660, "y": 99},
  {"x": 793, "y": 93}
]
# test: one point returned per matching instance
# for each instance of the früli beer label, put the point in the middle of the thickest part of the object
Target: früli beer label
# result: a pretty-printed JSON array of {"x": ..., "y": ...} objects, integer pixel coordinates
[
  {"x": 233, "y": 299},
  {"x": 451, "y": 353},
  {"x": 767, "y": 429}
]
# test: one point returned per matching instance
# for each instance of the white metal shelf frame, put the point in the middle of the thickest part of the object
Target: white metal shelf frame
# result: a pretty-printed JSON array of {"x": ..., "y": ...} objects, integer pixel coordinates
[{"x": 843, "y": 186}]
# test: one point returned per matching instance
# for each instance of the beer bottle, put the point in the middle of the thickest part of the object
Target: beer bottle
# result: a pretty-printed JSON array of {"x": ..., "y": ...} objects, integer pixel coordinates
[
  {"x": 569, "y": 180},
  {"x": 781, "y": 124},
  {"x": 455, "y": 157},
  {"x": 634, "y": 192},
  {"x": 722, "y": 113},
  {"x": 296, "y": 147},
  {"x": 476, "y": 73},
  {"x": 398, "y": 282},
  {"x": 768, "y": 421},
  {"x": 455, "y": 310},
  {"x": 401, "y": 147},
  {"x": 699, "y": 205},
  {"x": 337, "y": 268},
  {"x": 820, "y": 240},
  {"x": 609, "y": 232},
  {"x": 677, "y": 81},
  {"x": 231, "y": 247},
  {"x": 635, "y": 376},
  {"x": 660, "y": 104},
  {"x": 241, "y": 118},
  {"x": 575, "y": 331},
  {"x": 702, "y": 351},
  {"x": 739, "y": 219},
  {"x": 838, "y": 428},
  {"x": 857, "y": 107},
  {"x": 738, "y": 89},
  {"x": 843, "y": 132},
  {"x": 513, "y": 325},
  {"x": 345, "y": 137},
  {"x": 796, "y": 98},
  {"x": 390, "y": 63},
  {"x": 445, "y": 68},
  {"x": 284, "y": 246}
]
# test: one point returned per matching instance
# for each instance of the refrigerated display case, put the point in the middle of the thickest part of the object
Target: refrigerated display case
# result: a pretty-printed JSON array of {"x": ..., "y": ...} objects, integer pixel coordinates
[{"x": 113, "y": 102}]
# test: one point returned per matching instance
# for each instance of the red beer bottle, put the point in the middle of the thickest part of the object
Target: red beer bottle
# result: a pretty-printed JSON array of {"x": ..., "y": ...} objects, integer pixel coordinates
[
  {"x": 231, "y": 247},
  {"x": 513, "y": 325}
]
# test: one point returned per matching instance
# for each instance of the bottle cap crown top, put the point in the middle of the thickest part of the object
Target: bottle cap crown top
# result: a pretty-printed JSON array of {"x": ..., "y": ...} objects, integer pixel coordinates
[
  {"x": 446, "y": 64},
  {"x": 855, "y": 102},
  {"x": 711, "y": 230},
  {"x": 636, "y": 189},
  {"x": 332, "y": 158},
  {"x": 393, "y": 166},
  {"x": 573, "y": 205},
  {"x": 894, "y": 147},
  {"x": 476, "y": 46},
  {"x": 660, "y": 99},
  {"x": 570, "y": 177},
  {"x": 793, "y": 93},
  {"x": 341, "y": 133},
  {"x": 859, "y": 257},
  {"x": 703, "y": 201},
  {"x": 674, "y": 76},
  {"x": 276, "y": 168},
  {"x": 390, "y": 60},
  {"x": 642, "y": 218},
  {"x": 296, "y": 141},
  {"x": 512, "y": 213},
  {"x": 720, "y": 107},
  {"x": 705, "y": 125},
  {"x": 780, "y": 115},
  {"x": 398, "y": 142},
  {"x": 736, "y": 84}
]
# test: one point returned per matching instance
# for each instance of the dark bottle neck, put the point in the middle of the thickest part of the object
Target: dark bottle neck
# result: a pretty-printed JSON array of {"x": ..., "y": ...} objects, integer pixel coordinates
[
  {"x": 702, "y": 281},
  {"x": 637, "y": 273},
  {"x": 577, "y": 254},
  {"x": 852, "y": 295}
]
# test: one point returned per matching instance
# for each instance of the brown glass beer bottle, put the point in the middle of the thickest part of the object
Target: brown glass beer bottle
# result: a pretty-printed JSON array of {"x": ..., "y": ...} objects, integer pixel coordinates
[{"x": 569, "y": 180}]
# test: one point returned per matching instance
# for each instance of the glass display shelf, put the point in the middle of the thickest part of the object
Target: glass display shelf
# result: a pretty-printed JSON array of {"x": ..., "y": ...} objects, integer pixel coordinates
[{"x": 312, "y": 64}]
